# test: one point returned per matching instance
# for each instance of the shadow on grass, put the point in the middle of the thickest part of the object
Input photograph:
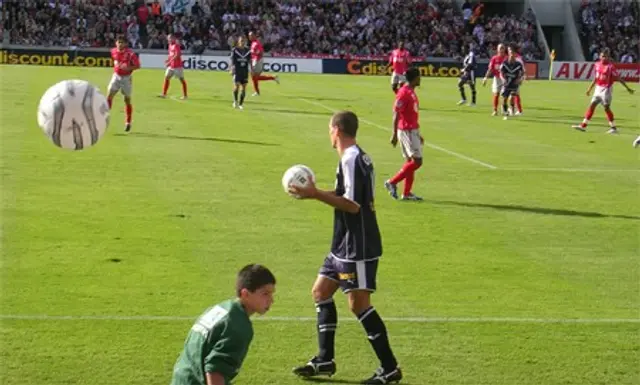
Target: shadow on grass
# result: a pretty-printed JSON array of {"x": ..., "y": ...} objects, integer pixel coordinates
[{"x": 180, "y": 137}]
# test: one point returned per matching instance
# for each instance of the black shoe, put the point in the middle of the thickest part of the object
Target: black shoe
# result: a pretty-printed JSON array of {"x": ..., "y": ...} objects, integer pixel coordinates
[
  {"x": 127, "y": 127},
  {"x": 382, "y": 377},
  {"x": 316, "y": 367}
]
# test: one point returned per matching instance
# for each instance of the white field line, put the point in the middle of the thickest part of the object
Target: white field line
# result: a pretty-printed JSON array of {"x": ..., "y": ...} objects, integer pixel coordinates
[
  {"x": 501, "y": 320},
  {"x": 428, "y": 144},
  {"x": 596, "y": 170}
]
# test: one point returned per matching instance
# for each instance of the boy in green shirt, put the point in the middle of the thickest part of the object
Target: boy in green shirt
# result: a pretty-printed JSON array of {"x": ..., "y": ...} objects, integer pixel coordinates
[{"x": 219, "y": 340}]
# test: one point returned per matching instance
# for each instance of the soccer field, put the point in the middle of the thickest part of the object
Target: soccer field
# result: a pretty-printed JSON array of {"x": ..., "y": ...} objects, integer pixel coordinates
[{"x": 522, "y": 265}]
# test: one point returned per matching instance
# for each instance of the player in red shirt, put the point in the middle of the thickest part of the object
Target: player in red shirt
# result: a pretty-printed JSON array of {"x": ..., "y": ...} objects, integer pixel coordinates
[
  {"x": 257, "y": 64},
  {"x": 399, "y": 60},
  {"x": 125, "y": 61},
  {"x": 494, "y": 69},
  {"x": 406, "y": 128},
  {"x": 606, "y": 75},
  {"x": 174, "y": 67}
]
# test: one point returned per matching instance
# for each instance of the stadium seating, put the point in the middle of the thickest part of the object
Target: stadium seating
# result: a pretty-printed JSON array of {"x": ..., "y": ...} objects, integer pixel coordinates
[
  {"x": 368, "y": 27},
  {"x": 610, "y": 24}
]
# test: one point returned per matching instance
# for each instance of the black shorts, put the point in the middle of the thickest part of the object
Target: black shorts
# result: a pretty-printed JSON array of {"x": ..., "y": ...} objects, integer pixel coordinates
[
  {"x": 510, "y": 90},
  {"x": 357, "y": 275},
  {"x": 241, "y": 77},
  {"x": 468, "y": 78}
]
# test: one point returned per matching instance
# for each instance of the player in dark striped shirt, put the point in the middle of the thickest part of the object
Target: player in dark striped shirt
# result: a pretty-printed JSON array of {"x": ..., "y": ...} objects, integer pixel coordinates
[
  {"x": 352, "y": 263},
  {"x": 468, "y": 76},
  {"x": 512, "y": 72}
]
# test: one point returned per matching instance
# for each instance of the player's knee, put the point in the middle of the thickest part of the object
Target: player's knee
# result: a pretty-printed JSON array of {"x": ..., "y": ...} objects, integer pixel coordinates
[
  {"x": 319, "y": 294},
  {"x": 359, "y": 301},
  {"x": 418, "y": 162},
  {"x": 127, "y": 100}
]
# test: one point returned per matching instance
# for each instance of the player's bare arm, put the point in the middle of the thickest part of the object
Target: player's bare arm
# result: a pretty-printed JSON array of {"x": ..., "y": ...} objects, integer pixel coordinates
[
  {"x": 215, "y": 379},
  {"x": 329, "y": 197},
  {"x": 394, "y": 135},
  {"x": 486, "y": 76},
  {"x": 590, "y": 88}
]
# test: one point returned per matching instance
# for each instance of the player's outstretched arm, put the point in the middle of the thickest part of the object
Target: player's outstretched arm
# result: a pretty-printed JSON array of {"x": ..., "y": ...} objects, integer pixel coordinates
[
  {"x": 329, "y": 197},
  {"x": 215, "y": 379},
  {"x": 624, "y": 84}
]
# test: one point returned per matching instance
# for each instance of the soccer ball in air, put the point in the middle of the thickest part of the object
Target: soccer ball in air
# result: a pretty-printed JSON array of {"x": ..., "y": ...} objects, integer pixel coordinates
[
  {"x": 73, "y": 114},
  {"x": 298, "y": 175}
]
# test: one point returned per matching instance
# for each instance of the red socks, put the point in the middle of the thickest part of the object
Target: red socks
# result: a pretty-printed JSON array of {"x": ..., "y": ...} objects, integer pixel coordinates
[
  {"x": 109, "y": 102},
  {"x": 406, "y": 173},
  {"x": 518, "y": 103},
  {"x": 129, "y": 111},
  {"x": 609, "y": 115},
  {"x": 266, "y": 77},
  {"x": 496, "y": 100},
  {"x": 184, "y": 87},
  {"x": 589, "y": 114},
  {"x": 256, "y": 88},
  {"x": 165, "y": 87}
]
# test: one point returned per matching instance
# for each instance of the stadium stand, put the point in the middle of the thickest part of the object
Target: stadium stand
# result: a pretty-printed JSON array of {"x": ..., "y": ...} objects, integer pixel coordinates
[
  {"x": 612, "y": 24},
  {"x": 368, "y": 27}
]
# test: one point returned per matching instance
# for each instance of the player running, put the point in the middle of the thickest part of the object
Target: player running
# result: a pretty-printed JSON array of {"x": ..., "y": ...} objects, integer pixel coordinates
[
  {"x": 406, "y": 128},
  {"x": 399, "y": 60},
  {"x": 352, "y": 263},
  {"x": 518, "y": 97},
  {"x": 240, "y": 62},
  {"x": 174, "y": 67},
  {"x": 125, "y": 61},
  {"x": 494, "y": 69},
  {"x": 219, "y": 340},
  {"x": 257, "y": 64},
  {"x": 468, "y": 76},
  {"x": 512, "y": 72},
  {"x": 606, "y": 75}
]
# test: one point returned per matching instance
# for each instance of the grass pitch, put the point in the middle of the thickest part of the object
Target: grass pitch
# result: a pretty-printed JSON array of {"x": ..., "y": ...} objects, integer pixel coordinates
[{"x": 521, "y": 266}]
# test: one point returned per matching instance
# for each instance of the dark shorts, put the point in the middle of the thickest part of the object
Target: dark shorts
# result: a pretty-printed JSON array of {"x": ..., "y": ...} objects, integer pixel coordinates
[
  {"x": 358, "y": 275},
  {"x": 468, "y": 78},
  {"x": 241, "y": 77},
  {"x": 510, "y": 90}
]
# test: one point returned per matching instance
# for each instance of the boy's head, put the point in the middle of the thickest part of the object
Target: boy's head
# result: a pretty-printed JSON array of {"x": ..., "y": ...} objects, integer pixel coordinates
[
  {"x": 343, "y": 124},
  {"x": 255, "y": 286}
]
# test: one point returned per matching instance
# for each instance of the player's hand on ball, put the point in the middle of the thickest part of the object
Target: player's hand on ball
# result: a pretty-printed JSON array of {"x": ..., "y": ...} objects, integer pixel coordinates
[
  {"x": 394, "y": 139},
  {"x": 304, "y": 192}
]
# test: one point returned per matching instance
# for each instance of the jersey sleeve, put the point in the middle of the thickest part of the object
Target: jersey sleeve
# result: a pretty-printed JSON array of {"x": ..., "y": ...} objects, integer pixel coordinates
[
  {"x": 401, "y": 102},
  {"x": 135, "y": 60},
  {"x": 228, "y": 352},
  {"x": 492, "y": 64},
  {"x": 349, "y": 175}
]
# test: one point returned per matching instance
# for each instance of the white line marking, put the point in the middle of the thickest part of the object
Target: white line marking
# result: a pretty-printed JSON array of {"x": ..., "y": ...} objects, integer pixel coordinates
[
  {"x": 568, "y": 170},
  {"x": 430, "y": 145},
  {"x": 45, "y": 317}
]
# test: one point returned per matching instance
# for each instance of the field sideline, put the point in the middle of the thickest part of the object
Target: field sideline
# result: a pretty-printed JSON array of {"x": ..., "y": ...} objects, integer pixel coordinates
[{"x": 521, "y": 266}]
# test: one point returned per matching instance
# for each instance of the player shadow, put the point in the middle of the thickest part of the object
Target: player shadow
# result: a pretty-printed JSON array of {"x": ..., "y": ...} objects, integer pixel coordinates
[
  {"x": 321, "y": 98},
  {"x": 536, "y": 210},
  {"x": 210, "y": 139},
  {"x": 338, "y": 381},
  {"x": 285, "y": 111}
]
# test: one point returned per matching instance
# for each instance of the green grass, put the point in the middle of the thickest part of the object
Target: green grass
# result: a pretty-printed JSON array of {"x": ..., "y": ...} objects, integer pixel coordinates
[{"x": 193, "y": 193}]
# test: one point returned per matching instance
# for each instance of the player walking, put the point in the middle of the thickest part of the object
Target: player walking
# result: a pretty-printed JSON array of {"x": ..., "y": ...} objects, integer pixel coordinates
[
  {"x": 257, "y": 64},
  {"x": 406, "y": 128},
  {"x": 518, "y": 97},
  {"x": 606, "y": 75},
  {"x": 468, "y": 76},
  {"x": 125, "y": 61},
  {"x": 219, "y": 340},
  {"x": 174, "y": 67},
  {"x": 512, "y": 72},
  {"x": 494, "y": 69},
  {"x": 352, "y": 263},
  {"x": 399, "y": 60},
  {"x": 240, "y": 62}
]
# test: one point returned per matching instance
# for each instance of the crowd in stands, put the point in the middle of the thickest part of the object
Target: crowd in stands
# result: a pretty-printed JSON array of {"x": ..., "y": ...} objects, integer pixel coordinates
[
  {"x": 610, "y": 24},
  {"x": 365, "y": 27}
]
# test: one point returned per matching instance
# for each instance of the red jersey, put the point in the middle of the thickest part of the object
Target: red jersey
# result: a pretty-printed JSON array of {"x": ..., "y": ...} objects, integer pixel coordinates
[
  {"x": 407, "y": 107},
  {"x": 175, "y": 55},
  {"x": 122, "y": 58},
  {"x": 606, "y": 74},
  {"x": 400, "y": 60},
  {"x": 257, "y": 50},
  {"x": 495, "y": 63}
]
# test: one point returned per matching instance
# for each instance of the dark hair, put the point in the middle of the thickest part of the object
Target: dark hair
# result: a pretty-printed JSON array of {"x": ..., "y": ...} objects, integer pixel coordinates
[
  {"x": 412, "y": 73},
  {"x": 121, "y": 38},
  {"x": 606, "y": 52},
  {"x": 346, "y": 121},
  {"x": 252, "y": 277}
]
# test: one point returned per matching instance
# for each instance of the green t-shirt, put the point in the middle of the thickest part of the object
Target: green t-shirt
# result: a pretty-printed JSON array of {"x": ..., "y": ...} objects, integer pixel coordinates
[{"x": 217, "y": 342}]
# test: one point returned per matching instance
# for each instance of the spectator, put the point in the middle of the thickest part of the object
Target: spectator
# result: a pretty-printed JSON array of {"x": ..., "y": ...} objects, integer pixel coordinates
[{"x": 612, "y": 24}]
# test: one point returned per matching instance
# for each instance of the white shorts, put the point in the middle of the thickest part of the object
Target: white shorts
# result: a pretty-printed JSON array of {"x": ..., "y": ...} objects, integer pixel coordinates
[
  {"x": 411, "y": 143},
  {"x": 257, "y": 66},
  {"x": 177, "y": 72},
  {"x": 396, "y": 78},
  {"x": 497, "y": 85},
  {"x": 120, "y": 83},
  {"x": 602, "y": 95}
]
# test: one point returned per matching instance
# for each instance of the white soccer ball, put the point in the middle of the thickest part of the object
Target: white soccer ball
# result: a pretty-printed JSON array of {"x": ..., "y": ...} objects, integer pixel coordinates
[
  {"x": 73, "y": 114},
  {"x": 298, "y": 175}
]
